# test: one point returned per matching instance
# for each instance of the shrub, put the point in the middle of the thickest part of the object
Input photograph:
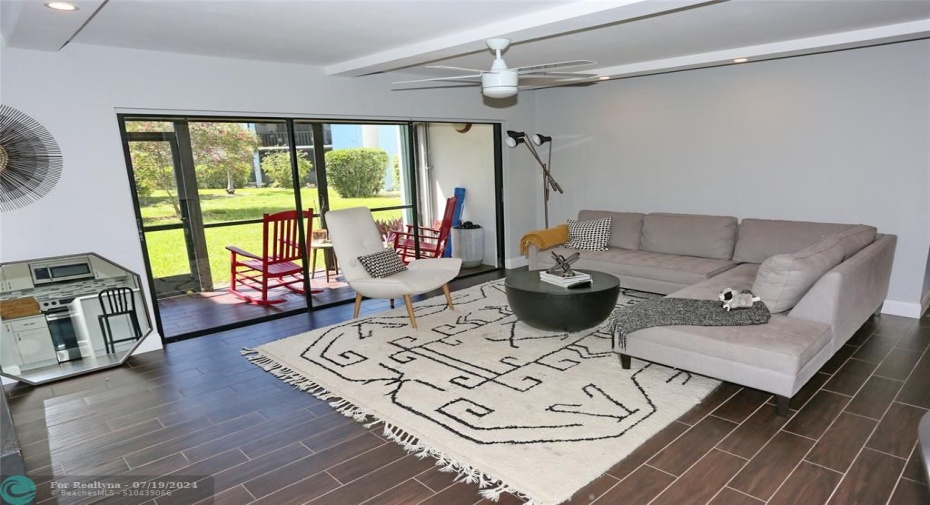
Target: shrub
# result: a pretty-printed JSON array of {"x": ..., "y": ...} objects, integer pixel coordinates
[
  {"x": 219, "y": 176},
  {"x": 396, "y": 172},
  {"x": 277, "y": 166},
  {"x": 356, "y": 172}
]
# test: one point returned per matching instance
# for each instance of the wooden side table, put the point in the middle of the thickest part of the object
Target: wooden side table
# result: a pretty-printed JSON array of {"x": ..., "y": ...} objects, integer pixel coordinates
[{"x": 329, "y": 257}]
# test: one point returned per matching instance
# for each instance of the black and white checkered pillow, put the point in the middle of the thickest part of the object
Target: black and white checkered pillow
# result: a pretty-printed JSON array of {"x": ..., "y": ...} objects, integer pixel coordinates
[
  {"x": 592, "y": 235},
  {"x": 382, "y": 264}
]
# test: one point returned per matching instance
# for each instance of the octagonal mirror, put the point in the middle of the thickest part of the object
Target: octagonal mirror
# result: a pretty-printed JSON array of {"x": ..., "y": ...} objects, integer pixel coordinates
[{"x": 67, "y": 315}]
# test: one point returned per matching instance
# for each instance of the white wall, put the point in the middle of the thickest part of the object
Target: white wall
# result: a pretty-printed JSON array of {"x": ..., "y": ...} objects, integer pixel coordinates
[
  {"x": 467, "y": 160},
  {"x": 77, "y": 92},
  {"x": 839, "y": 137}
]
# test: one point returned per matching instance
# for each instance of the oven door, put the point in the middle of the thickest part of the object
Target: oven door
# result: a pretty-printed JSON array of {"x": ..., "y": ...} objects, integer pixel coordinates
[{"x": 63, "y": 336}]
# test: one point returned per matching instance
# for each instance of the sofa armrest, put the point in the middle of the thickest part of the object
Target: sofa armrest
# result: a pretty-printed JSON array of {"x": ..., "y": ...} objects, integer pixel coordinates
[
  {"x": 848, "y": 295},
  {"x": 532, "y": 255}
]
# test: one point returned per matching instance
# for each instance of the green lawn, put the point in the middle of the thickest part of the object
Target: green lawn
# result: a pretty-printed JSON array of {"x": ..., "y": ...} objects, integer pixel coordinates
[{"x": 168, "y": 254}]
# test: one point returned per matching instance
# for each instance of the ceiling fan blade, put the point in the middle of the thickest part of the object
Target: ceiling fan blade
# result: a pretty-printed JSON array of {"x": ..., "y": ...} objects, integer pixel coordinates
[
  {"x": 451, "y": 78},
  {"x": 547, "y": 66},
  {"x": 438, "y": 85},
  {"x": 557, "y": 75},
  {"x": 558, "y": 85},
  {"x": 447, "y": 67}
]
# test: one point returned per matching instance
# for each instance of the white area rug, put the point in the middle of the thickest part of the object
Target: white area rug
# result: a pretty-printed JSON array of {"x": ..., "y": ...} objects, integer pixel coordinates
[{"x": 539, "y": 414}]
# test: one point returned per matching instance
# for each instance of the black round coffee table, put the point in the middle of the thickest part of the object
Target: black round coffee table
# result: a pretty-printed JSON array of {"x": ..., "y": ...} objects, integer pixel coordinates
[{"x": 549, "y": 307}]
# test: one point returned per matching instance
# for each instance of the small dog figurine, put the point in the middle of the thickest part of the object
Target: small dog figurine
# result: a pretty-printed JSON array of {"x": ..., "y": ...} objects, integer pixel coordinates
[{"x": 733, "y": 300}]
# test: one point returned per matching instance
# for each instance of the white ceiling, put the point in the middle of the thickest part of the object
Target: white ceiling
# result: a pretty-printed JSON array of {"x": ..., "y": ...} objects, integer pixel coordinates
[{"x": 349, "y": 37}]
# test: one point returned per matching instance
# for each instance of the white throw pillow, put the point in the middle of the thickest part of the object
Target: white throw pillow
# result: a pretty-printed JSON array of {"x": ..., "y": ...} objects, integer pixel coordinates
[
  {"x": 591, "y": 235},
  {"x": 382, "y": 264}
]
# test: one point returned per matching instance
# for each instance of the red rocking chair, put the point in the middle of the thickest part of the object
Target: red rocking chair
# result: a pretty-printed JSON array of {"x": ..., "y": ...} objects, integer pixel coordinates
[
  {"x": 278, "y": 266},
  {"x": 432, "y": 240}
]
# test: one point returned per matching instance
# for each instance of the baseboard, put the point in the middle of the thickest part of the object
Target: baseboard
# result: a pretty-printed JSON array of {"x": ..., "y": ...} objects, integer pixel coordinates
[
  {"x": 519, "y": 261},
  {"x": 903, "y": 309},
  {"x": 925, "y": 304}
]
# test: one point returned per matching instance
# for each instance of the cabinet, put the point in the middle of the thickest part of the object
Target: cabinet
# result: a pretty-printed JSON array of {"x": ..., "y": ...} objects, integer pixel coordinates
[
  {"x": 26, "y": 342},
  {"x": 104, "y": 269},
  {"x": 15, "y": 277},
  {"x": 10, "y": 360}
]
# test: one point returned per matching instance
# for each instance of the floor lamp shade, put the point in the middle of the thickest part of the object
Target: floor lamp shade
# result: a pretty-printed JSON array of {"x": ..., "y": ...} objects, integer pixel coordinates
[{"x": 515, "y": 138}]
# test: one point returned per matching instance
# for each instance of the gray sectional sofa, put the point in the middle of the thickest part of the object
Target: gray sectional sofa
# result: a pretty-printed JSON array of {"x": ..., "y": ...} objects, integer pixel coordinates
[{"x": 822, "y": 281}]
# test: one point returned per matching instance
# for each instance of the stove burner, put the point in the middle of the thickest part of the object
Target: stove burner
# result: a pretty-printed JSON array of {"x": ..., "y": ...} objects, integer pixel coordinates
[{"x": 59, "y": 305}]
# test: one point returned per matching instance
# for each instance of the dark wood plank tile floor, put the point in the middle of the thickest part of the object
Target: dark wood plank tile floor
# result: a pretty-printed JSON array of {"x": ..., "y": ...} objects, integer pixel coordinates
[{"x": 199, "y": 408}]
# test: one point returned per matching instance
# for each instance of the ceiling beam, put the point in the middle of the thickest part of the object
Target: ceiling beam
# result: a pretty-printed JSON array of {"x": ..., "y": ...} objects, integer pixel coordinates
[
  {"x": 580, "y": 15},
  {"x": 832, "y": 42}
]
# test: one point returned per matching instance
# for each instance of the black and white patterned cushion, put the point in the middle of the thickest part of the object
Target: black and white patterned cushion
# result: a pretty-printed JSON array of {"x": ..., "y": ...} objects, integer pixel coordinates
[
  {"x": 591, "y": 235},
  {"x": 382, "y": 264}
]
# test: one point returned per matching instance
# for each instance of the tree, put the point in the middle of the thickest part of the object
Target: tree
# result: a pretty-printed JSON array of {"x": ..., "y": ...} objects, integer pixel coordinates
[
  {"x": 357, "y": 172},
  {"x": 152, "y": 164},
  {"x": 222, "y": 153},
  {"x": 277, "y": 166}
]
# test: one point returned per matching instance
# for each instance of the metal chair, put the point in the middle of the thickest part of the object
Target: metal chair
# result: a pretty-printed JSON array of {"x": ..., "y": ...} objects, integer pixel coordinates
[
  {"x": 117, "y": 302},
  {"x": 278, "y": 265}
]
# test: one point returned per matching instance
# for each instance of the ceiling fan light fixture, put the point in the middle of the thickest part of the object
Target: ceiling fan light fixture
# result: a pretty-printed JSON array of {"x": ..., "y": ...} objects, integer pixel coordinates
[{"x": 499, "y": 84}]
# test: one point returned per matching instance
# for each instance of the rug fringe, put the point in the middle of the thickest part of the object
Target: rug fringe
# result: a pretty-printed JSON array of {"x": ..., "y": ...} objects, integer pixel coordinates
[{"x": 489, "y": 487}]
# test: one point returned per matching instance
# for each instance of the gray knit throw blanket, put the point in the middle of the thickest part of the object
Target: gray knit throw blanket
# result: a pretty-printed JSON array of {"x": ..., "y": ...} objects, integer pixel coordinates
[{"x": 681, "y": 311}]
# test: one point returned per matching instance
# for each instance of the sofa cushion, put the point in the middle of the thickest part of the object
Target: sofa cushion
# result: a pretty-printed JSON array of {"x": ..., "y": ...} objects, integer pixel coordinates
[
  {"x": 855, "y": 238},
  {"x": 689, "y": 235},
  {"x": 591, "y": 235},
  {"x": 625, "y": 227},
  {"x": 644, "y": 264},
  {"x": 761, "y": 238},
  {"x": 783, "y": 345},
  {"x": 783, "y": 279},
  {"x": 738, "y": 278}
]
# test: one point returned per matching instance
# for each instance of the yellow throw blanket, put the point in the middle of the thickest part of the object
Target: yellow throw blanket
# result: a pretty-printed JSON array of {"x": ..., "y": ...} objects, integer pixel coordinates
[{"x": 544, "y": 239}]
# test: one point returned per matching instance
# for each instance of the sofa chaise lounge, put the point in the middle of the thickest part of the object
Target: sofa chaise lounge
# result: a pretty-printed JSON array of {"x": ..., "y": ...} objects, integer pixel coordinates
[{"x": 821, "y": 281}]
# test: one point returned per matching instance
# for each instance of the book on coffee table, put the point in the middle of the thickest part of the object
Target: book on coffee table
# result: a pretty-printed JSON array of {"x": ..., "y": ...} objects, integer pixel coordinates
[{"x": 564, "y": 282}]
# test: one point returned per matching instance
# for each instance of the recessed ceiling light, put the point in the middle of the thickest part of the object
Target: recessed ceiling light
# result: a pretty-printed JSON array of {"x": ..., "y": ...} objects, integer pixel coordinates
[
  {"x": 603, "y": 78},
  {"x": 61, "y": 6},
  {"x": 740, "y": 60}
]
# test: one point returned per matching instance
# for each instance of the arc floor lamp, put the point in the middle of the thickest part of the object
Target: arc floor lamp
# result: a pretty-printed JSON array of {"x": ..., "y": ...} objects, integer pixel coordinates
[{"x": 514, "y": 139}]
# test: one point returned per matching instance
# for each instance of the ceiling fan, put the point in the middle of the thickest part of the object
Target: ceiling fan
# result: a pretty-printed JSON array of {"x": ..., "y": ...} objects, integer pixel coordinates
[{"x": 502, "y": 82}]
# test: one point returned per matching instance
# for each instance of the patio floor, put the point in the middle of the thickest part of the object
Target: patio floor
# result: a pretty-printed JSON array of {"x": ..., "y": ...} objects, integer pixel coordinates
[{"x": 198, "y": 312}]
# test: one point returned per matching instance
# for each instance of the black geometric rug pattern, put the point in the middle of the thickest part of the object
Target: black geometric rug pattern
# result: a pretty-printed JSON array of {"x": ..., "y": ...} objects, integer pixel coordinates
[{"x": 539, "y": 414}]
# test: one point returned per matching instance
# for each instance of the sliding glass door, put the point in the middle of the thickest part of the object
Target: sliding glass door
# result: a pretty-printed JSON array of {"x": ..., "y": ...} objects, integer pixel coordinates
[
  {"x": 360, "y": 165},
  {"x": 202, "y": 185}
]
